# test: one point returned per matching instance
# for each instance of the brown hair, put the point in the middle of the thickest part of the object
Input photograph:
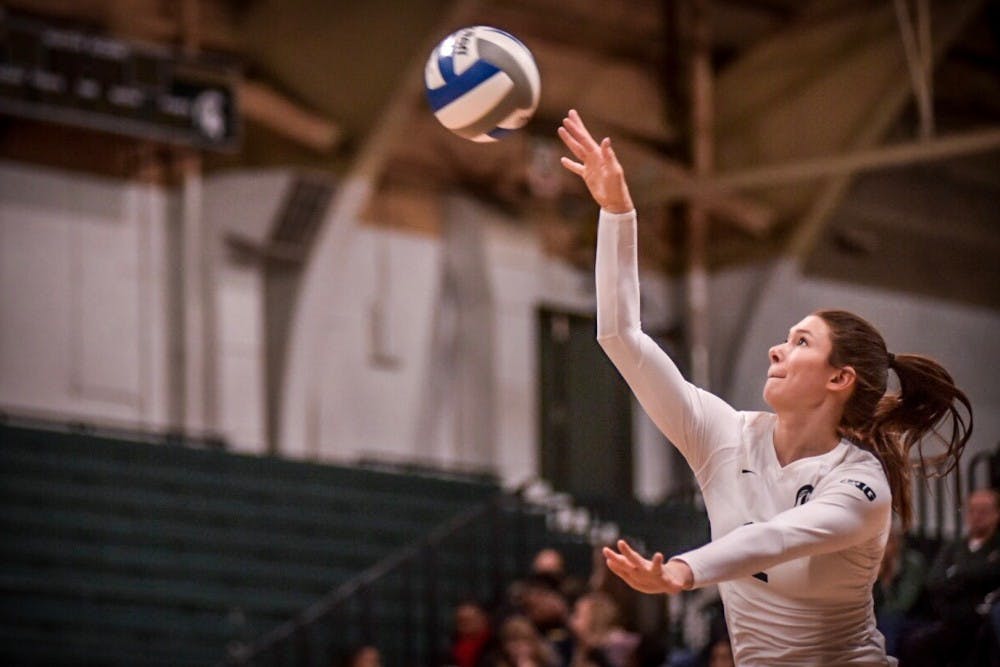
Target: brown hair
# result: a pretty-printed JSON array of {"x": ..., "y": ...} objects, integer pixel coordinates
[{"x": 890, "y": 425}]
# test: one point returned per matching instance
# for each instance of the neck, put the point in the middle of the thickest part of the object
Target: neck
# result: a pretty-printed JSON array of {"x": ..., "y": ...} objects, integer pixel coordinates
[{"x": 800, "y": 435}]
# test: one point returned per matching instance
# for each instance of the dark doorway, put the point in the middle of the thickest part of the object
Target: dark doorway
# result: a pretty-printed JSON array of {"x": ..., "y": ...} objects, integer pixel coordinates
[{"x": 586, "y": 411}]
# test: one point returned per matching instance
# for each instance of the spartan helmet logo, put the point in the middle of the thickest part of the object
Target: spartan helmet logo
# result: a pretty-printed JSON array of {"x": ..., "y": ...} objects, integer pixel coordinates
[{"x": 802, "y": 495}]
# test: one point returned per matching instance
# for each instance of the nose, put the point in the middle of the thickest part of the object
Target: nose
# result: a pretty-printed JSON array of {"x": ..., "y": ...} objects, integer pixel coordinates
[{"x": 774, "y": 354}]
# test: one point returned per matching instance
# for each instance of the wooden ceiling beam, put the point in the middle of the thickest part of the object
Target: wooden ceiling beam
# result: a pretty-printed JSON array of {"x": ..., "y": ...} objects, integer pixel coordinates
[
  {"x": 650, "y": 172},
  {"x": 674, "y": 189},
  {"x": 643, "y": 42},
  {"x": 264, "y": 105}
]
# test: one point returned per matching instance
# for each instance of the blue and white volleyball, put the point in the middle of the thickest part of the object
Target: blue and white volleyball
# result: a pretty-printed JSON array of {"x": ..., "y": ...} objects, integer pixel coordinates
[{"x": 482, "y": 83}]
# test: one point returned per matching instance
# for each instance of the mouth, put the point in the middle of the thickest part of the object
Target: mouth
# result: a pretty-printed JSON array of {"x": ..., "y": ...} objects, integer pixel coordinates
[{"x": 774, "y": 376}]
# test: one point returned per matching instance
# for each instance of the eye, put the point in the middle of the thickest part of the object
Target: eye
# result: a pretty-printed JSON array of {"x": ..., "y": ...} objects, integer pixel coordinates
[{"x": 802, "y": 341}]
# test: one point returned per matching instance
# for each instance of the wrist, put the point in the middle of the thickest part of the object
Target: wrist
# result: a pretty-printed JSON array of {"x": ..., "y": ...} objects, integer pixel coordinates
[
  {"x": 681, "y": 573},
  {"x": 616, "y": 209},
  {"x": 623, "y": 205}
]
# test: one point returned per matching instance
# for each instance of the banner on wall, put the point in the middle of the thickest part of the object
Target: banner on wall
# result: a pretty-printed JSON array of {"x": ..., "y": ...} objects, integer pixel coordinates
[{"x": 76, "y": 76}]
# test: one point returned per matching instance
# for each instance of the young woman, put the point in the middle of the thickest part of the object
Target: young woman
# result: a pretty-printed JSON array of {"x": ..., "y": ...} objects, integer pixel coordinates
[{"x": 800, "y": 500}]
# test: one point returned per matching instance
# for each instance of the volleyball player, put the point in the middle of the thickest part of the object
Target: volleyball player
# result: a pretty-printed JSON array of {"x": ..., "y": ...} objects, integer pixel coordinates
[{"x": 800, "y": 500}]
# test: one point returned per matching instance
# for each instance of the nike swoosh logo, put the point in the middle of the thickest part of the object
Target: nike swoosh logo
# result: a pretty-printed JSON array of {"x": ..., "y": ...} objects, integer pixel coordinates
[{"x": 745, "y": 471}]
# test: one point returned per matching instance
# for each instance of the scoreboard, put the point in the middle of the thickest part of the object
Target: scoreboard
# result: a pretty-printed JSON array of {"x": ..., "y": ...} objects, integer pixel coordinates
[{"x": 77, "y": 76}]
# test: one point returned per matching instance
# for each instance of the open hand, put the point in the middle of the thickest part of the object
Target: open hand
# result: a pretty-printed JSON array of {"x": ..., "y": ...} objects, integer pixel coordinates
[
  {"x": 597, "y": 166},
  {"x": 648, "y": 576}
]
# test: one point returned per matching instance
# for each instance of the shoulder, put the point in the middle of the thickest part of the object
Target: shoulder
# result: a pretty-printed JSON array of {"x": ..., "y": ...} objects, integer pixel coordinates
[{"x": 860, "y": 476}]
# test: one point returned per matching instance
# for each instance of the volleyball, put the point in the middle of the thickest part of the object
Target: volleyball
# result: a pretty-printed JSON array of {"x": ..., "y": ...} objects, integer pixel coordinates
[{"x": 482, "y": 83}]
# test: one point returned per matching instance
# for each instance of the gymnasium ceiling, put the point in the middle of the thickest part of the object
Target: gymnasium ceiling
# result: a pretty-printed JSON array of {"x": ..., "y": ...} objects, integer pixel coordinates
[{"x": 333, "y": 87}]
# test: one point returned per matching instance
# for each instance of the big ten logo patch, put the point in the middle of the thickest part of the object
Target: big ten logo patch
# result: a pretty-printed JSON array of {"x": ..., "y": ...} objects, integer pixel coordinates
[{"x": 864, "y": 488}]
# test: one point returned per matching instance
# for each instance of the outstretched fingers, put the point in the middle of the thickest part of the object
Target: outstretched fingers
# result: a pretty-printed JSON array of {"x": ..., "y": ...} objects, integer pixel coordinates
[
  {"x": 574, "y": 146},
  {"x": 630, "y": 553},
  {"x": 574, "y": 167},
  {"x": 574, "y": 123},
  {"x": 577, "y": 132},
  {"x": 608, "y": 152}
]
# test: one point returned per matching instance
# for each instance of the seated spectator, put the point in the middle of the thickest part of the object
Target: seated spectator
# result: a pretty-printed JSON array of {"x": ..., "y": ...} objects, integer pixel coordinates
[
  {"x": 473, "y": 636},
  {"x": 599, "y": 639},
  {"x": 963, "y": 574},
  {"x": 366, "y": 655},
  {"x": 717, "y": 649},
  {"x": 544, "y": 604},
  {"x": 520, "y": 645},
  {"x": 898, "y": 588},
  {"x": 550, "y": 562},
  {"x": 719, "y": 653}
]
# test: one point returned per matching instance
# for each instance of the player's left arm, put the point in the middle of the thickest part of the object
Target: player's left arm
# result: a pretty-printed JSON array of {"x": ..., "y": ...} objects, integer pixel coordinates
[{"x": 848, "y": 510}]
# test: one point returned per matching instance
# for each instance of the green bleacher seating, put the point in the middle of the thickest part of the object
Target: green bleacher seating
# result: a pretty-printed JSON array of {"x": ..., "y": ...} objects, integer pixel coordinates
[{"x": 118, "y": 551}]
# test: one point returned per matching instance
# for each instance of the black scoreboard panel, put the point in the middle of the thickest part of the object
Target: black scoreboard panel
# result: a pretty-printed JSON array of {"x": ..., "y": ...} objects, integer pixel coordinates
[{"x": 76, "y": 76}]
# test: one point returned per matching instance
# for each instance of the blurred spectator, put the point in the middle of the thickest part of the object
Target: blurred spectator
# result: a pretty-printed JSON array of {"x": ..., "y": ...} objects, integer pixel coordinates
[
  {"x": 599, "y": 639},
  {"x": 551, "y": 563},
  {"x": 964, "y": 573},
  {"x": 898, "y": 588},
  {"x": 719, "y": 653},
  {"x": 520, "y": 645},
  {"x": 717, "y": 649},
  {"x": 365, "y": 655},
  {"x": 473, "y": 636},
  {"x": 544, "y": 604}
]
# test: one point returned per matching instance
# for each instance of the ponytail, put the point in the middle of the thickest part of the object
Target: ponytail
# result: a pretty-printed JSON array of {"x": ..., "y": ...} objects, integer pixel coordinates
[
  {"x": 928, "y": 403},
  {"x": 892, "y": 425}
]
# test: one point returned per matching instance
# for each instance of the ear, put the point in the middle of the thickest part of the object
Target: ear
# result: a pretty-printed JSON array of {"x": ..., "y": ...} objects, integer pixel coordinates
[{"x": 843, "y": 379}]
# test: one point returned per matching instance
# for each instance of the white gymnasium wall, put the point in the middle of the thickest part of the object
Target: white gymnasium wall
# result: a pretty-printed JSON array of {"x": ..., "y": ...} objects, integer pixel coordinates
[
  {"x": 373, "y": 409},
  {"x": 369, "y": 408},
  {"x": 82, "y": 297}
]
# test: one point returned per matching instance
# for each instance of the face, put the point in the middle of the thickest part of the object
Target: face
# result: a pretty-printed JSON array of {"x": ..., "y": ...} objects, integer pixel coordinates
[
  {"x": 545, "y": 607},
  {"x": 470, "y": 620},
  {"x": 982, "y": 514},
  {"x": 368, "y": 657},
  {"x": 800, "y": 370},
  {"x": 548, "y": 561}
]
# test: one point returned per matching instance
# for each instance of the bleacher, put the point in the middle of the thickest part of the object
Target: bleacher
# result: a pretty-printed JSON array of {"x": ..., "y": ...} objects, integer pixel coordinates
[{"x": 125, "y": 552}]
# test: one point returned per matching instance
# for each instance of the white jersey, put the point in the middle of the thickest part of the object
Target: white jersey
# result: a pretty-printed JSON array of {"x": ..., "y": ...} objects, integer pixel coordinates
[{"x": 795, "y": 549}]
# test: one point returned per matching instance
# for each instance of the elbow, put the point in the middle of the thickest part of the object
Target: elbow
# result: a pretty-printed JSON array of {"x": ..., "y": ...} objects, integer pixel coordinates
[
  {"x": 613, "y": 344},
  {"x": 622, "y": 349}
]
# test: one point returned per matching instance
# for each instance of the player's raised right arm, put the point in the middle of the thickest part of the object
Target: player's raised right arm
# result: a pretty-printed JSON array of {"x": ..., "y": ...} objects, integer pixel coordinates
[{"x": 693, "y": 419}]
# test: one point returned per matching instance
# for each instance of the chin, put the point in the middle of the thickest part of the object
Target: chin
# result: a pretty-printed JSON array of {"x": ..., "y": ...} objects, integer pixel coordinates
[
  {"x": 772, "y": 398},
  {"x": 768, "y": 395}
]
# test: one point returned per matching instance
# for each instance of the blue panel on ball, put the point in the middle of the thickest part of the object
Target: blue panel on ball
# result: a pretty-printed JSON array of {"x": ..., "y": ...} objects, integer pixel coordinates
[
  {"x": 444, "y": 95},
  {"x": 499, "y": 132},
  {"x": 446, "y": 65}
]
